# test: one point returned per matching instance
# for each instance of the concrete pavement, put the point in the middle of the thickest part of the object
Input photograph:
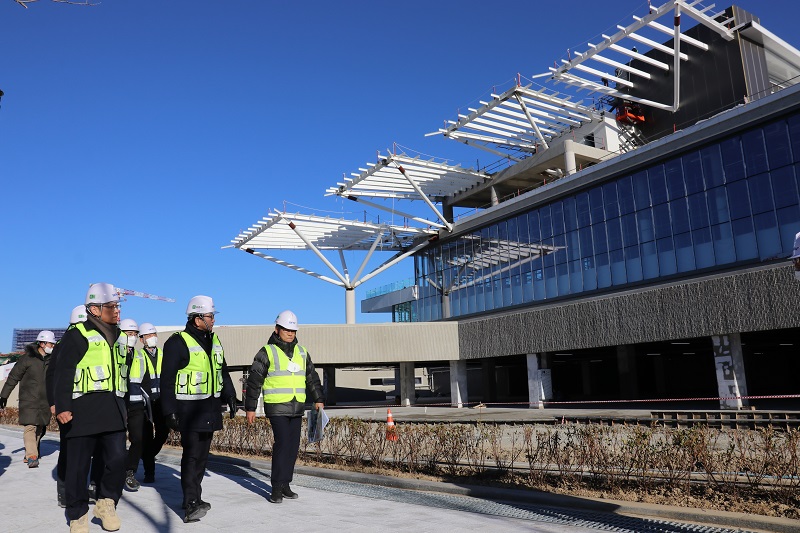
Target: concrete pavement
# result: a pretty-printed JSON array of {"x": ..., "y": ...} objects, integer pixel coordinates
[{"x": 333, "y": 500}]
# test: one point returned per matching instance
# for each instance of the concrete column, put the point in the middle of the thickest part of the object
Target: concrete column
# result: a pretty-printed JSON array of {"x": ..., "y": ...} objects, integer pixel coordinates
[
  {"x": 493, "y": 193},
  {"x": 535, "y": 391},
  {"x": 626, "y": 367},
  {"x": 329, "y": 384},
  {"x": 350, "y": 305},
  {"x": 446, "y": 305},
  {"x": 458, "y": 383},
  {"x": 447, "y": 211},
  {"x": 407, "y": 387},
  {"x": 731, "y": 381},
  {"x": 488, "y": 381},
  {"x": 570, "y": 165}
]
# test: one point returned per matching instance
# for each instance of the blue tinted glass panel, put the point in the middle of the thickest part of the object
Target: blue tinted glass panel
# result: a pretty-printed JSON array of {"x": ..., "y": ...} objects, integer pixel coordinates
[
  {"x": 738, "y": 200},
  {"x": 760, "y": 190},
  {"x": 546, "y": 221},
  {"x": 603, "y": 271},
  {"x": 582, "y": 207},
  {"x": 666, "y": 257},
  {"x": 614, "y": 231},
  {"x": 610, "y": 201},
  {"x": 674, "y": 172},
  {"x": 744, "y": 239},
  {"x": 776, "y": 137},
  {"x": 679, "y": 212},
  {"x": 570, "y": 214},
  {"x": 692, "y": 172},
  {"x": 625, "y": 195},
  {"x": 599, "y": 238},
  {"x": 698, "y": 211},
  {"x": 658, "y": 184},
  {"x": 732, "y": 159},
  {"x": 644, "y": 221},
  {"x": 649, "y": 260},
  {"x": 596, "y": 206},
  {"x": 767, "y": 235},
  {"x": 794, "y": 136},
  {"x": 661, "y": 221},
  {"x": 684, "y": 252},
  {"x": 576, "y": 276},
  {"x": 558, "y": 218},
  {"x": 703, "y": 248},
  {"x": 562, "y": 271},
  {"x": 573, "y": 246},
  {"x": 589, "y": 274},
  {"x": 722, "y": 235},
  {"x": 712, "y": 166},
  {"x": 533, "y": 227},
  {"x": 618, "y": 275},
  {"x": 755, "y": 154},
  {"x": 629, "y": 235},
  {"x": 789, "y": 224},
  {"x": 585, "y": 236},
  {"x": 717, "y": 206},
  {"x": 633, "y": 263},
  {"x": 641, "y": 190},
  {"x": 784, "y": 188}
]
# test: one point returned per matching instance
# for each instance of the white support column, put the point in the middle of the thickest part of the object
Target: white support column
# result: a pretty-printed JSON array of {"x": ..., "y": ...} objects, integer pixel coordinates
[
  {"x": 458, "y": 383},
  {"x": 493, "y": 193},
  {"x": 407, "y": 386},
  {"x": 350, "y": 305},
  {"x": 535, "y": 390},
  {"x": 570, "y": 165},
  {"x": 731, "y": 382}
]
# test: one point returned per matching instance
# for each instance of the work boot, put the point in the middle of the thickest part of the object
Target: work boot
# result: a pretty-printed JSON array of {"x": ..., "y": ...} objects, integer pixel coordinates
[
  {"x": 60, "y": 494},
  {"x": 288, "y": 492},
  {"x": 205, "y": 505},
  {"x": 81, "y": 525},
  {"x": 194, "y": 511},
  {"x": 149, "y": 477},
  {"x": 276, "y": 496},
  {"x": 130, "y": 481},
  {"x": 106, "y": 511},
  {"x": 33, "y": 461}
]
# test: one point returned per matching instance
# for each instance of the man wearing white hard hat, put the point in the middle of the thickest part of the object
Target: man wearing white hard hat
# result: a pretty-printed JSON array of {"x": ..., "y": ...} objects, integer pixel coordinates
[
  {"x": 194, "y": 384},
  {"x": 90, "y": 386},
  {"x": 152, "y": 441},
  {"x": 136, "y": 400},
  {"x": 34, "y": 412},
  {"x": 283, "y": 372}
]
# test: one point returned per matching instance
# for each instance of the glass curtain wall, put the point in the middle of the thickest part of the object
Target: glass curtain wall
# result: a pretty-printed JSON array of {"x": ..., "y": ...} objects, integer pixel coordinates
[{"x": 734, "y": 201}]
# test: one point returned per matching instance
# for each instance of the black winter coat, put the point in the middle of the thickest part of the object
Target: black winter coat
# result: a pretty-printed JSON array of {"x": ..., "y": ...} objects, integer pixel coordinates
[
  {"x": 194, "y": 415},
  {"x": 29, "y": 372},
  {"x": 92, "y": 413},
  {"x": 259, "y": 372}
]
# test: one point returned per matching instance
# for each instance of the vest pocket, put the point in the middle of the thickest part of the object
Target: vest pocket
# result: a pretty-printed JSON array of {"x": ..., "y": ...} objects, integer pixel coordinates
[{"x": 97, "y": 378}]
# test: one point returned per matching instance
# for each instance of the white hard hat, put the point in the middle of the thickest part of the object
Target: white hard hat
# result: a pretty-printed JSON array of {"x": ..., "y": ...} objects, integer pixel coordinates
[
  {"x": 78, "y": 314},
  {"x": 287, "y": 320},
  {"x": 46, "y": 336},
  {"x": 101, "y": 293},
  {"x": 796, "y": 252},
  {"x": 200, "y": 305},
  {"x": 128, "y": 324},
  {"x": 146, "y": 328}
]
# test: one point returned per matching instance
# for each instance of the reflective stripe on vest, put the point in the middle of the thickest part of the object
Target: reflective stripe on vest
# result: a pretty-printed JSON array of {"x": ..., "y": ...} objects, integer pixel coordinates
[
  {"x": 155, "y": 377},
  {"x": 99, "y": 370},
  {"x": 198, "y": 380},
  {"x": 282, "y": 384},
  {"x": 136, "y": 375}
]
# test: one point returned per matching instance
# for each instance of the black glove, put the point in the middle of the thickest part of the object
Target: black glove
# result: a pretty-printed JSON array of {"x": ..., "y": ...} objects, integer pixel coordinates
[
  {"x": 232, "y": 406},
  {"x": 3, "y": 402},
  {"x": 173, "y": 422}
]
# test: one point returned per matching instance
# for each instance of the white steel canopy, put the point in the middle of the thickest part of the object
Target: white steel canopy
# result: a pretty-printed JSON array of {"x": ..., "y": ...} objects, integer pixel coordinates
[
  {"x": 402, "y": 177},
  {"x": 282, "y": 231}
]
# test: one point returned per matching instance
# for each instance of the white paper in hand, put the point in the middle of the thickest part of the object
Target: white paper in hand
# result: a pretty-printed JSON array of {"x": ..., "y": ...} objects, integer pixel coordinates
[{"x": 317, "y": 420}]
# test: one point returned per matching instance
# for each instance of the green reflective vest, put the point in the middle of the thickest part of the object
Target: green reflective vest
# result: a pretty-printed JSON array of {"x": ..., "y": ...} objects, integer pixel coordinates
[
  {"x": 103, "y": 368},
  {"x": 286, "y": 378},
  {"x": 198, "y": 380},
  {"x": 140, "y": 364}
]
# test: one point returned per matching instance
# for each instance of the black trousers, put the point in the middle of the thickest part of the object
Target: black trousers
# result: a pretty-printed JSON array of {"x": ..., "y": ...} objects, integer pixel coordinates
[
  {"x": 286, "y": 430},
  {"x": 61, "y": 466},
  {"x": 140, "y": 431},
  {"x": 79, "y": 459},
  {"x": 196, "y": 445},
  {"x": 154, "y": 444}
]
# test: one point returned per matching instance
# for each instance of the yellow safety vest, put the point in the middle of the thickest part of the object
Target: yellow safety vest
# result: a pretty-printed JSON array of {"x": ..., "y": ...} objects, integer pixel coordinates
[
  {"x": 139, "y": 362},
  {"x": 198, "y": 380},
  {"x": 286, "y": 378},
  {"x": 102, "y": 368}
]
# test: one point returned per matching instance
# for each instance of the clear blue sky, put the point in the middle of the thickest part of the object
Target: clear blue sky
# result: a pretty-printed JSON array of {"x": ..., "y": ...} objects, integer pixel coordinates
[{"x": 139, "y": 137}]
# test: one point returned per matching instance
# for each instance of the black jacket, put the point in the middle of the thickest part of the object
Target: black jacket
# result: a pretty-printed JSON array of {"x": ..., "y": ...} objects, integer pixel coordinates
[
  {"x": 259, "y": 371},
  {"x": 194, "y": 415},
  {"x": 92, "y": 413},
  {"x": 29, "y": 372}
]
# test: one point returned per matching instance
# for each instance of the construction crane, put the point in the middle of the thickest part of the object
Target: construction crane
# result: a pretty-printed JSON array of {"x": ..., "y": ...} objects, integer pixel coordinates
[{"x": 127, "y": 292}]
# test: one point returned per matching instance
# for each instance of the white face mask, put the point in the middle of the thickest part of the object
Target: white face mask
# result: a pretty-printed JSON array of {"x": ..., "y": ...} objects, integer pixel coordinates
[
  {"x": 151, "y": 342},
  {"x": 131, "y": 341},
  {"x": 48, "y": 350}
]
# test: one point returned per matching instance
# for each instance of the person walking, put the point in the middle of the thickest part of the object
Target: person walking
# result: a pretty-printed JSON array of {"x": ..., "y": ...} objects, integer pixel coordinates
[
  {"x": 283, "y": 371},
  {"x": 194, "y": 383},
  {"x": 136, "y": 401},
  {"x": 90, "y": 385},
  {"x": 152, "y": 443},
  {"x": 34, "y": 411}
]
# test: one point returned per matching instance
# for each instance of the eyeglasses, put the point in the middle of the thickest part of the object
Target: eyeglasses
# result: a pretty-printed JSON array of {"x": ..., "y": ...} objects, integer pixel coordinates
[
  {"x": 113, "y": 307},
  {"x": 210, "y": 315}
]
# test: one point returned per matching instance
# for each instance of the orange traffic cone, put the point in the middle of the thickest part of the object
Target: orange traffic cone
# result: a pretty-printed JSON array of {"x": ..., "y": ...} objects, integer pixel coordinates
[{"x": 391, "y": 431}]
